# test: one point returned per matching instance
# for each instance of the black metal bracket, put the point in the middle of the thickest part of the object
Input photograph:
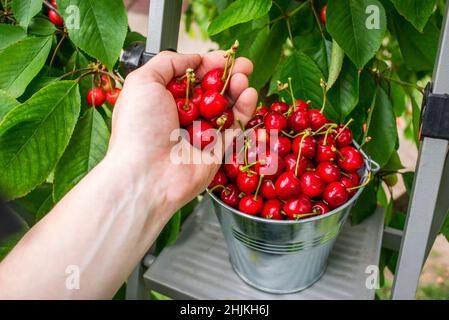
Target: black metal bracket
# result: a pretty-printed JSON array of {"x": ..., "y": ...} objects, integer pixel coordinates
[{"x": 434, "y": 115}]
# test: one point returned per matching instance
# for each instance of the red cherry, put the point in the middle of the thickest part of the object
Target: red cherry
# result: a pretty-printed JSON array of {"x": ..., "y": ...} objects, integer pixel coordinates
[
  {"x": 354, "y": 178},
  {"x": 178, "y": 88},
  {"x": 320, "y": 208},
  {"x": 250, "y": 206},
  {"x": 197, "y": 96},
  {"x": 53, "y": 2},
  {"x": 256, "y": 120},
  {"x": 348, "y": 184},
  {"x": 275, "y": 121},
  {"x": 112, "y": 96},
  {"x": 281, "y": 146},
  {"x": 298, "y": 206},
  {"x": 106, "y": 83},
  {"x": 344, "y": 136},
  {"x": 201, "y": 133},
  {"x": 261, "y": 110},
  {"x": 232, "y": 166},
  {"x": 230, "y": 195},
  {"x": 95, "y": 97},
  {"x": 328, "y": 171},
  {"x": 316, "y": 119},
  {"x": 329, "y": 139},
  {"x": 247, "y": 182},
  {"x": 298, "y": 121},
  {"x": 212, "y": 80},
  {"x": 212, "y": 104},
  {"x": 287, "y": 186},
  {"x": 304, "y": 164},
  {"x": 187, "y": 113},
  {"x": 280, "y": 107},
  {"x": 55, "y": 18},
  {"x": 323, "y": 14},
  {"x": 272, "y": 210},
  {"x": 219, "y": 179},
  {"x": 269, "y": 165},
  {"x": 225, "y": 121},
  {"x": 325, "y": 153},
  {"x": 311, "y": 184},
  {"x": 335, "y": 195},
  {"x": 302, "y": 105},
  {"x": 350, "y": 159},
  {"x": 308, "y": 146},
  {"x": 267, "y": 189}
]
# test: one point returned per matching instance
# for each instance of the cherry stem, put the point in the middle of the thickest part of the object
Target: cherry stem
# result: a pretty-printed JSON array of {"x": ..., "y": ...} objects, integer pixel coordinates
[
  {"x": 303, "y": 215},
  {"x": 368, "y": 180},
  {"x": 344, "y": 127},
  {"x": 258, "y": 187},
  {"x": 233, "y": 50},
  {"x": 291, "y": 93},
  {"x": 299, "y": 154},
  {"x": 324, "y": 126},
  {"x": 324, "y": 89},
  {"x": 245, "y": 168},
  {"x": 326, "y": 135},
  {"x": 190, "y": 77},
  {"x": 216, "y": 187}
]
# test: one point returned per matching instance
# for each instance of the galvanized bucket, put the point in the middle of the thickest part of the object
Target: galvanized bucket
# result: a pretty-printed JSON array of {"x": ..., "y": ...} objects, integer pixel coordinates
[{"x": 281, "y": 256}]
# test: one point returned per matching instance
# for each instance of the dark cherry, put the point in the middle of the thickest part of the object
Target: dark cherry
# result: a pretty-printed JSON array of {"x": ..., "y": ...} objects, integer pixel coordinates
[
  {"x": 212, "y": 104},
  {"x": 308, "y": 146},
  {"x": 201, "y": 133},
  {"x": 251, "y": 204},
  {"x": 262, "y": 110},
  {"x": 281, "y": 146},
  {"x": 287, "y": 186},
  {"x": 230, "y": 195},
  {"x": 344, "y": 137},
  {"x": 350, "y": 159},
  {"x": 298, "y": 206},
  {"x": 320, "y": 208},
  {"x": 348, "y": 183},
  {"x": 335, "y": 195},
  {"x": 224, "y": 121},
  {"x": 178, "y": 88},
  {"x": 267, "y": 189},
  {"x": 280, "y": 107},
  {"x": 254, "y": 121},
  {"x": 325, "y": 153},
  {"x": 272, "y": 209},
  {"x": 232, "y": 166},
  {"x": 187, "y": 112},
  {"x": 275, "y": 121},
  {"x": 316, "y": 119},
  {"x": 304, "y": 164},
  {"x": 311, "y": 184},
  {"x": 270, "y": 165},
  {"x": 247, "y": 182},
  {"x": 219, "y": 179},
  {"x": 213, "y": 80},
  {"x": 298, "y": 121},
  {"x": 328, "y": 171}
]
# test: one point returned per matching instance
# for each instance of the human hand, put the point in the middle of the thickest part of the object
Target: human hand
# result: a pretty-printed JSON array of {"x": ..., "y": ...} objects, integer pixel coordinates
[{"x": 145, "y": 116}]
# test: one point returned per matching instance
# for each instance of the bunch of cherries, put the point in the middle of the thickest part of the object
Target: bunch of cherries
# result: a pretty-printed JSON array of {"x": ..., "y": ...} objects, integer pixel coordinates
[
  {"x": 205, "y": 101},
  {"x": 309, "y": 168},
  {"x": 105, "y": 91}
]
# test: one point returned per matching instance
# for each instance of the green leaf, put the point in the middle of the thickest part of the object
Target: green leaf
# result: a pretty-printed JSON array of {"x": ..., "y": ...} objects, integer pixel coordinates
[
  {"x": 7, "y": 245},
  {"x": 86, "y": 149},
  {"x": 408, "y": 178},
  {"x": 170, "y": 233},
  {"x": 394, "y": 164},
  {"x": 41, "y": 27},
  {"x": 24, "y": 10},
  {"x": 417, "y": 12},
  {"x": 348, "y": 22},
  {"x": 416, "y": 116},
  {"x": 21, "y": 62},
  {"x": 317, "y": 48},
  {"x": 79, "y": 61},
  {"x": 133, "y": 37},
  {"x": 382, "y": 130},
  {"x": 238, "y": 12},
  {"x": 34, "y": 135},
  {"x": 306, "y": 78},
  {"x": 389, "y": 212},
  {"x": 337, "y": 56},
  {"x": 45, "y": 208},
  {"x": 418, "y": 49},
  {"x": 10, "y": 34},
  {"x": 398, "y": 97},
  {"x": 101, "y": 29},
  {"x": 6, "y": 104},
  {"x": 344, "y": 95},
  {"x": 365, "y": 205},
  {"x": 445, "y": 228},
  {"x": 28, "y": 206},
  {"x": 265, "y": 61}
]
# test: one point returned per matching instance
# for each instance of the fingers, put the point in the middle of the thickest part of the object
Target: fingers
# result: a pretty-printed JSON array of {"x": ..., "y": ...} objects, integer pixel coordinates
[
  {"x": 167, "y": 65},
  {"x": 245, "y": 106},
  {"x": 216, "y": 59},
  {"x": 239, "y": 82}
]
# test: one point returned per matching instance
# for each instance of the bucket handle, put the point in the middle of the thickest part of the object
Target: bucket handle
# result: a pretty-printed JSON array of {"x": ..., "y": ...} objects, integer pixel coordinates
[{"x": 374, "y": 166}]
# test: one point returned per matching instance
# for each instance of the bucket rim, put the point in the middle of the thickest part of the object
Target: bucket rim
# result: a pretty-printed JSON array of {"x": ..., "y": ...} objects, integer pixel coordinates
[{"x": 370, "y": 166}]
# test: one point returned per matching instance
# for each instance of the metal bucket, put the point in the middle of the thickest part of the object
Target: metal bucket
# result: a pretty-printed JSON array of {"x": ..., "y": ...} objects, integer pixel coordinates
[{"x": 281, "y": 256}]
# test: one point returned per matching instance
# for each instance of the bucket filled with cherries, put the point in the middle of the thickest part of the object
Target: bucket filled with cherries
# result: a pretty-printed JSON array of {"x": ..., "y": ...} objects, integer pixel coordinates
[{"x": 286, "y": 184}]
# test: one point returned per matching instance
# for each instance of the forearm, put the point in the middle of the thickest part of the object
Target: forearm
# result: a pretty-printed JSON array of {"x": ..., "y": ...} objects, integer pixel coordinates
[{"x": 103, "y": 227}]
